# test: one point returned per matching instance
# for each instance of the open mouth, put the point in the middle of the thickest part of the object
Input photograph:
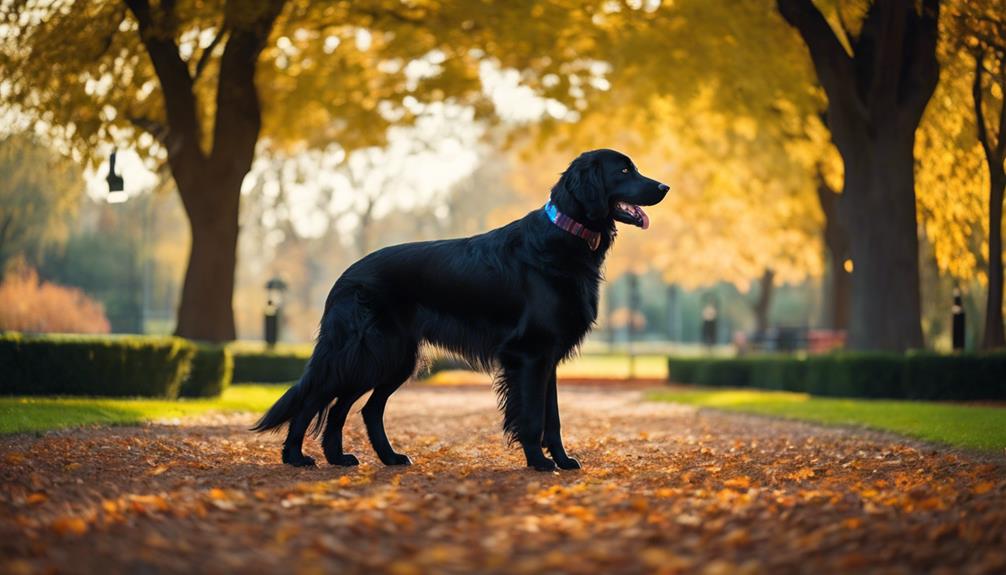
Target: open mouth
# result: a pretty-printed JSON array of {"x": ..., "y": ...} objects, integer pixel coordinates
[{"x": 631, "y": 214}]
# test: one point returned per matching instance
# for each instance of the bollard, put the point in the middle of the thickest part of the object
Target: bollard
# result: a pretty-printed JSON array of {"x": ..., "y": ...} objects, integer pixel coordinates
[{"x": 959, "y": 318}]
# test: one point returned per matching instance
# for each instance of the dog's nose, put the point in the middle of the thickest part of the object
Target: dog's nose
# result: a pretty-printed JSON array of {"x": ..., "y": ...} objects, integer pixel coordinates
[{"x": 663, "y": 187}]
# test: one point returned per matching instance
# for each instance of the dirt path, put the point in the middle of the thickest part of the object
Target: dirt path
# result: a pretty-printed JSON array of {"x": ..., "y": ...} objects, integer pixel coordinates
[{"x": 664, "y": 489}]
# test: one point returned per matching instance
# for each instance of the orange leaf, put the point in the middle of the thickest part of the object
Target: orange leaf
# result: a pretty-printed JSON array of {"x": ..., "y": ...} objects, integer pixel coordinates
[
  {"x": 36, "y": 498},
  {"x": 158, "y": 470},
  {"x": 800, "y": 474},
  {"x": 69, "y": 526},
  {"x": 742, "y": 481},
  {"x": 983, "y": 487}
]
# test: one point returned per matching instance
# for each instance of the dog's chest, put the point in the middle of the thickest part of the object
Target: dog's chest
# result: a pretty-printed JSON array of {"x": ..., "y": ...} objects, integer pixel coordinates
[{"x": 577, "y": 307}]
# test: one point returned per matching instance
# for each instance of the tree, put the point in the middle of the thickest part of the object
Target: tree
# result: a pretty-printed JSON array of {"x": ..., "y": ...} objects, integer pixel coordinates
[
  {"x": 836, "y": 239},
  {"x": 985, "y": 35},
  {"x": 878, "y": 82},
  {"x": 39, "y": 193},
  {"x": 181, "y": 80}
]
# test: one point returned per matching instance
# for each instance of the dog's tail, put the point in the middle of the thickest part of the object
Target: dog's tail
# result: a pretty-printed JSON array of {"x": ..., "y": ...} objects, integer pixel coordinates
[
  {"x": 284, "y": 409},
  {"x": 297, "y": 397}
]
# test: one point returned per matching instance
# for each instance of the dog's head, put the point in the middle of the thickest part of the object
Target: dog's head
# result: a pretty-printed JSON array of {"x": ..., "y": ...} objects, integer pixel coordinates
[{"x": 603, "y": 186}]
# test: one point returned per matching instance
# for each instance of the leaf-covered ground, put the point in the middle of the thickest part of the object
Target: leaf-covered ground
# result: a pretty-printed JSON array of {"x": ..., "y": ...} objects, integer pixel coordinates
[{"x": 665, "y": 488}]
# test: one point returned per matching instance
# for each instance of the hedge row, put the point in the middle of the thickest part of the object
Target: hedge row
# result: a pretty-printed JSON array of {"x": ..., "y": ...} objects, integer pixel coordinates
[
  {"x": 920, "y": 375},
  {"x": 268, "y": 366},
  {"x": 281, "y": 366},
  {"x": 117, "y": 366},
  {"x": 93, "y": 365},
  {"x": 210, "y": 373}
]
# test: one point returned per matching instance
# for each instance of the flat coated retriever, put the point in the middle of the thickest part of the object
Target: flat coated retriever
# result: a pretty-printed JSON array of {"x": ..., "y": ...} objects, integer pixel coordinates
[{"x": 515, "y": 301}]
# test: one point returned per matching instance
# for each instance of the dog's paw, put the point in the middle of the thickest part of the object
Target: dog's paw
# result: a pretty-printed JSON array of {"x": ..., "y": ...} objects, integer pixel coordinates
[
  {"x": 545, "y": 464},
  {"x": 343, "y": 460},
  {"x": 397, "y": 459},
  {"x": 567, "y": 463},
  {"x": 302, "y": 461}
]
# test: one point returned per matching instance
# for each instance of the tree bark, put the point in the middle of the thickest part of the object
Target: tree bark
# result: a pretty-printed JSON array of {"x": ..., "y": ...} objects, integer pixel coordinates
[
  {"x": 209, "y": 184},
  {"x": 205, "y": 311},
  {"x": 995, "y": 334},
  {"x": 886, "y": 303},
  {"x": 995, "y": 154},
  {"x": 763, "y": 304},
  {"x": 836, "y": 242},
  {"x": 876, "y": 97}
]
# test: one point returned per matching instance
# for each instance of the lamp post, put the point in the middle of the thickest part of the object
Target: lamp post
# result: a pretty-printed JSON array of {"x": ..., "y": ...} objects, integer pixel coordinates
[
  {"x": 116, "y": 185},
  {"x": 633, "y": 308},
  {"x": 275, "y": 290},
  {"x": 710, "y": 313},
  {"x": 959, "y": 317}
]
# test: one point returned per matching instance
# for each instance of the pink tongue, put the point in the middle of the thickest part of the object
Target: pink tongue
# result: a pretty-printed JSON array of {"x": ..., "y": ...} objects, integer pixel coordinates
[{"x": 646, "y": 218}]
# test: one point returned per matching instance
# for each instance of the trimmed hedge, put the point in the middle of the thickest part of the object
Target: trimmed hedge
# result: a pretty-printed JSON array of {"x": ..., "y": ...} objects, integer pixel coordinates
[
  {"x": 916, "y": 375},
  {"x": 93, "y": 365},
  {"x": 211, "y": 372},
  {"x": 268, "y": 366}
]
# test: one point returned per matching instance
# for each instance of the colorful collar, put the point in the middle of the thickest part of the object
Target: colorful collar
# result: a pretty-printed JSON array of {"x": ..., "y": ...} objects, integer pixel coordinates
[{"x": 572, "y": 226}]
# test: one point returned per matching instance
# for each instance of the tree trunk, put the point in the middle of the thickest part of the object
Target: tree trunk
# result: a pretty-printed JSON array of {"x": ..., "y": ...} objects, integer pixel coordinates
[
  {"x": 877, "y": 93},
  {"x": 994, "y": 336},
  {"x": 205, "y": 311},
  {"x": 836, "y": 242},
  {"x": 884, "y": 246},
  {"x": 763, "y": 304},
  {"x": 994, "y": 147},
  {"x": 840, "y": 302},
  {"x": 209, "y": 184}
]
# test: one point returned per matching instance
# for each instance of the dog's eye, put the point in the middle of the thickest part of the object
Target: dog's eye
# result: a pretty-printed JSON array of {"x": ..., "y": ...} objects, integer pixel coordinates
[{"x": 625, "y": 170}]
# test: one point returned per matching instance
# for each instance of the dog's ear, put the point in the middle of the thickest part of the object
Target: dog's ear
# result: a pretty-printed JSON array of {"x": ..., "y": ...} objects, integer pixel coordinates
[{"x": 585, "y": 183}]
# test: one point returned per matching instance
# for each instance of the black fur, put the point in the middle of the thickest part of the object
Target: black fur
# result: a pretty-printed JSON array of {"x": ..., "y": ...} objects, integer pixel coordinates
[{"x": 516, "y": 301}]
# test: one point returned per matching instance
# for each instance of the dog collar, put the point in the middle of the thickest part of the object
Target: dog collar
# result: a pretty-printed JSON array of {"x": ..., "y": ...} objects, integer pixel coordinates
[{"x": 572, "y": 226}]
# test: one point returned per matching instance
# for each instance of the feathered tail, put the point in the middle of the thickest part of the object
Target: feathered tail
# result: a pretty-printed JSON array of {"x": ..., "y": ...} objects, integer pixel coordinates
[{"x": 285, "y": 408}]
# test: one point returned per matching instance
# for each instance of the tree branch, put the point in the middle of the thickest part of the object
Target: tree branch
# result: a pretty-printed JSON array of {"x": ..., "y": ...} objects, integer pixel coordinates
[
  {"x": 926, "y": 40},
  {"x": 156, "y": 129},
  {"x": 888, "y": 31},
  {"x": 239, "y": 115},
  {"x": 176, "y": 86},
  {"x": 831, "y": 61},
  {"x": 204, "y": 58},
  {"x": 1001, "y": 135},
  {"x": 976, "y": 96}
]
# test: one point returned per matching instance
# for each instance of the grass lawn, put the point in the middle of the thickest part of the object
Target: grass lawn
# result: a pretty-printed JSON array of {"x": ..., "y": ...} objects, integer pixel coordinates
[
  {"x": 19, "y": 414},
  {"x": 613, "y": 366},
  {"x": 974, "y": 427},
  {"x": 601, "y": 367}
]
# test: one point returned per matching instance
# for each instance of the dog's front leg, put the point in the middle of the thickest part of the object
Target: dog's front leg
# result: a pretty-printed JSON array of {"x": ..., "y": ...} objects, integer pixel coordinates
[
  {"x": 529, "y": 375},
  {"x": 552, "y": 440}
]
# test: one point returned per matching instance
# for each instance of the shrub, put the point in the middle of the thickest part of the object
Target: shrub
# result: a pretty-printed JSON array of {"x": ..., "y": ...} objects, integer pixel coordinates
[
  {"x": 866, "y": 375},
  {"x": 211, "y": 372},
  {"x": 917, "y": 375},
  {"x": 683, "y": 369},
  {"x": 83, "y": 365},
  {"x": 268, "y": 366},
  {"x": 955, "y": 377},
  {"x": 778, "y": 372},
  {"x": 30, "y": 305},
  {"x": 725, "y": 372}
]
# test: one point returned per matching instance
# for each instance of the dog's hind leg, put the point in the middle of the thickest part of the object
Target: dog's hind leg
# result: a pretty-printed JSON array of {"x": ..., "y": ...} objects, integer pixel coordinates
[
  {"x": 294, "y": 444},
  {"x": 552, "y": 439},
  {"x": 331, "y": 441},
  {"x": 373, "y": 417}
]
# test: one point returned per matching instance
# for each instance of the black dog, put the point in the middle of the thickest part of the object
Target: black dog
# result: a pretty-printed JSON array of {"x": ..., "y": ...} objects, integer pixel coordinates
[{"x": 516, "y": 301}]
